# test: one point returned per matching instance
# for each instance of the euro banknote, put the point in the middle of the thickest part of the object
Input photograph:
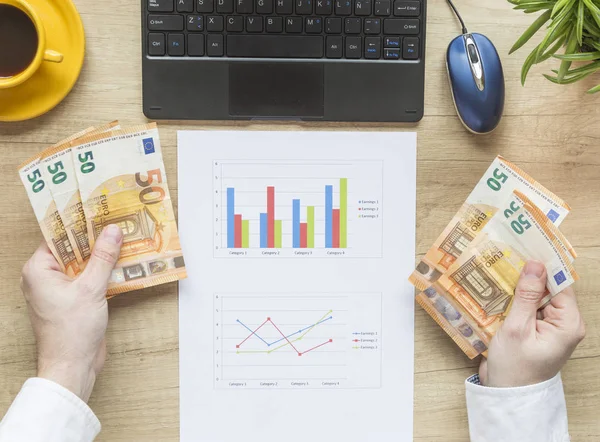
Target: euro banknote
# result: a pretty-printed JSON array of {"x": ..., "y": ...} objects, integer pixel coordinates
[
  {"x": 58, "y": 172},
  {"x": 471, "y": 299},
  {"x": 491, "y": 192},
  {"x": 122, "y": 181}
]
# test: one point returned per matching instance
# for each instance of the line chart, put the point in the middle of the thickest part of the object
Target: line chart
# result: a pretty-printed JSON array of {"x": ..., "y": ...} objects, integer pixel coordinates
[{"x": 312, "y": 340}]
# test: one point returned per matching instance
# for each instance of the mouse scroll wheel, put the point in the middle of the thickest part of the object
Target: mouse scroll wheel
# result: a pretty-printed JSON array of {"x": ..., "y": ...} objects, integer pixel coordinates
[{"x": 473, "y": 53}]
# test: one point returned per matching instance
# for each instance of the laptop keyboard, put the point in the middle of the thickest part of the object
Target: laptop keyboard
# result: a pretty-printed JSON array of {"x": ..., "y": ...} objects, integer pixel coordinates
[{"x": 304, "y": 29}]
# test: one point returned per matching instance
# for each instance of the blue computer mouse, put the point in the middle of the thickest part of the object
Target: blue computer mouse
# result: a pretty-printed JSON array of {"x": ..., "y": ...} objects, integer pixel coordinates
[{"x": 477, "y": 82}]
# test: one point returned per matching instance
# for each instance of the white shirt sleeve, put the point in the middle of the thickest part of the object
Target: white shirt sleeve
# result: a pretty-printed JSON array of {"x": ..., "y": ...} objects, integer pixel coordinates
[
  {"x": 44, "y": 411},
  {"x": 535, "y": 413}
]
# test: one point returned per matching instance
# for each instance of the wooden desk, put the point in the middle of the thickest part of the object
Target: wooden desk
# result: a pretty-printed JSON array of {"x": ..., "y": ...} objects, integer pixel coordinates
[{"x": 551, "y": 131}]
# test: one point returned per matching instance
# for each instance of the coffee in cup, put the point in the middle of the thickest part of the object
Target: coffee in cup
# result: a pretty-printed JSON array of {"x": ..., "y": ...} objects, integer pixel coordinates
[{"x": 18, "y": 41}]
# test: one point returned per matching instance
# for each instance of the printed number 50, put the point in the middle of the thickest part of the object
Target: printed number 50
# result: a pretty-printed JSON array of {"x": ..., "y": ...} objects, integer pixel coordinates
[
  {"x": 495, "y": 183},
  {"x": 150, "y": 194},
  {"x": 86, "y": 158}
]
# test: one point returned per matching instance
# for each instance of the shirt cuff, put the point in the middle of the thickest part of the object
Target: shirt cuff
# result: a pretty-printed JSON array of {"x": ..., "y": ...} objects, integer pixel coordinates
[
  {"x": 46, "y": 411},
  {"x": 534, "y": 413}
]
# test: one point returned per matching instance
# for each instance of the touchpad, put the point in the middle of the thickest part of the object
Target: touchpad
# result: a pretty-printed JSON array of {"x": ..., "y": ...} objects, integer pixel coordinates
[{"x": 276, "y": 89}]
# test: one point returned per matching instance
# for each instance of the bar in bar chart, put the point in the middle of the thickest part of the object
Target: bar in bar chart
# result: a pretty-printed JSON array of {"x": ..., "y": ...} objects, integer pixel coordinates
[{"x": 298, "y": 209}]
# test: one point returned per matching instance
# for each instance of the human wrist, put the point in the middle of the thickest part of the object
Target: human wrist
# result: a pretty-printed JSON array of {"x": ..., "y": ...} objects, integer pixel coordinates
[{"x": 77, "y": 377}]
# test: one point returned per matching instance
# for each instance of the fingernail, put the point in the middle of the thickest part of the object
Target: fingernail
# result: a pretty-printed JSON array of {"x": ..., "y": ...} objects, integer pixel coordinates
[
  {"x": 113, "y": 233},
  {"x": 534, "y": 268}
]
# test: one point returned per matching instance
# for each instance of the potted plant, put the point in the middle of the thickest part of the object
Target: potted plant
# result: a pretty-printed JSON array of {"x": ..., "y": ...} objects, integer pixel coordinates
[{"x": 572, "y": 24}]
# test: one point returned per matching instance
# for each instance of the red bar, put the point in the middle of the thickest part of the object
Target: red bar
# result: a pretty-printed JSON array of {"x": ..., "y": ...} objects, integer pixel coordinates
[
  {"x": 237, "y": 230},
  {"x": 335, "y": 240},
  {"x": 271, "y": 217},
  {"x": 303, "y": 227}
]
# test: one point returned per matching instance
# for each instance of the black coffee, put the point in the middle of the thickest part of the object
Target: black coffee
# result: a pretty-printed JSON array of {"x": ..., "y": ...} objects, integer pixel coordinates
[{"x": 18, "y": 41}]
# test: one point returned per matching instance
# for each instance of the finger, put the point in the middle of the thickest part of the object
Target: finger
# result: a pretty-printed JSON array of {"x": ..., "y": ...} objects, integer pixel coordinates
[
  {"x": 483, "y": 371},
  {"x": 530, "y": 290},
  {"x": 102, "y": 261},
  {"x": 44, "y": 258},
  {"x": 565, "y": 299}
]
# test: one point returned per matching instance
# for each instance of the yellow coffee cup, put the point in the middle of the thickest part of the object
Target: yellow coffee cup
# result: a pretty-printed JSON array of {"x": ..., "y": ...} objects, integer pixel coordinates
[{"x": 16, "y": 65}]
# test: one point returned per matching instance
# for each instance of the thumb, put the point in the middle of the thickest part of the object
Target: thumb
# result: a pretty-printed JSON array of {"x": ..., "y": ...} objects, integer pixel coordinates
[
  {"x": 530, "y": 290},
  {"x": 103, "y": 259}
]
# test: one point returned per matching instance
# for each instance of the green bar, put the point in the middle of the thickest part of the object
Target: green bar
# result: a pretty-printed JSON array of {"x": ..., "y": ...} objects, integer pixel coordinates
[
  {"x": 245, "y": 233},
  {"x": 277, "y": 233},
  {"x": 343, "y": 213},
  {"x": 310, "y": 227}
]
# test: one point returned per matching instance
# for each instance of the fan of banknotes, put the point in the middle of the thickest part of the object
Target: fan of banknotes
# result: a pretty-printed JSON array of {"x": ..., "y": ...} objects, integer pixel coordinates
[
  {"x": 466, "y": 280},
  {"x": 100, "y": 176}
]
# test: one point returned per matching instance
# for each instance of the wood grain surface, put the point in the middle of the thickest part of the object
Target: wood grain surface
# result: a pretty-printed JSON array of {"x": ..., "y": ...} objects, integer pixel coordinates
[{"x": 553, "y": 132}]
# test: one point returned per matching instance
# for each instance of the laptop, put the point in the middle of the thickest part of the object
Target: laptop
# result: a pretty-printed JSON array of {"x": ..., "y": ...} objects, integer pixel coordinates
[{"x": 314, "y": 60}]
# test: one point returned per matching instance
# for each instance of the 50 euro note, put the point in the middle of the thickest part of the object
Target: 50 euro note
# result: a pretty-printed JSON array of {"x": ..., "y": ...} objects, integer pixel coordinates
[
  {"x": 58, "y": 171},
  {"x": 471, "y": 300},
  {"x": 122, "y": 181},
  {"x": 486, "y": 199}
]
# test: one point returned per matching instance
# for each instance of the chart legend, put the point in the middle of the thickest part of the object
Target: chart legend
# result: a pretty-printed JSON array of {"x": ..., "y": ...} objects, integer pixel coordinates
[
  {"x": 297, "y": 209},
  {"x": 297, "y": 340}
]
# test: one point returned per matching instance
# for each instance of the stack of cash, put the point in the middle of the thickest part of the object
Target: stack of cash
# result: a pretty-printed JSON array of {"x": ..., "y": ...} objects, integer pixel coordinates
[
  {"x": 100, "y": 176},
  {"x": 467, "y": 279}
]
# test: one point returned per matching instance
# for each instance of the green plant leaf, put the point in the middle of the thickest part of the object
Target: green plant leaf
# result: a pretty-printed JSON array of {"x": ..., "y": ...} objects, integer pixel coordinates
[
  {"x": 594, "y": 90},
  {"x": 529, "y": 61},
  {"x": 591, "y": 27},
  {"x": 571, "y": 46},
  {"x": 580, "y": 21},
  {"x": 560, "y": 4},
  {"x": 569, "y": 80},
  {"x": 592, "y": 43},
  {"x": 552, "y": 51},
  {"x": 591, "y": 67},
  {"x": 580, "y": 56},
  {"x": 594, "y": 10},
  {"x": 535, "y": 26}
]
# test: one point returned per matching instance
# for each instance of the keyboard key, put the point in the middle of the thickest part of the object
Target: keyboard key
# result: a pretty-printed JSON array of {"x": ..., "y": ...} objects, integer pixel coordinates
[
  {"x": 372, "y": 25},
  {"x": 275, "y": 46},
  {"x": 176, "y": 45},
  {"x": 156, "y": 44},
  {"x": 196, "y": 45},
  {"x": 407, "y": 8},
  {"x": 185, "y": 5},
  {"x": 410, "y": 48},
  {"x": 165, "y": 22},
  {"x": 214, "y": 23},
  {"x": 284, "y": 6},
  {"x": 353, "y": 47},
  {"x": 382, "y": 7},
  {"x": 352, "y": 26},
  {"x": 363, "y": 7},
  {"x": 264, "y": 6},
  {"x": 391, "y": 42},
  {"x": 214, "y": 45},
  {"x": 391, "y": 54},
  {"x": 225, "y": 6},
  {"x": 304, "y": 7},
  {"x": 333, "y": 25},
  {"x": 372, "y": 47},
  {"x": 244, "y": 7},
  {"x": 343, "y": 7},
  {"x": 204, "y": 6},
  {"x": 401, "y": 26},
  {"x": 254, "y": 24},
  {"x": 275, "y": 24},
  {"x": 235, "y": 23},
  {"x": 195, "y": 23},
  {"x": 160, "y": 5},
  {"x": 293, "y": 25},
  {"x": 314, "y": 25},
  {"x": 334, "y": 46},
  {"x": 324, "y": 7}
]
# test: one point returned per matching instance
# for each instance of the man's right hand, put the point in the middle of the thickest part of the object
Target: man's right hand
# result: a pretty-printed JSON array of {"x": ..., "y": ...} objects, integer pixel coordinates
[{"x": 531, "y": 346}]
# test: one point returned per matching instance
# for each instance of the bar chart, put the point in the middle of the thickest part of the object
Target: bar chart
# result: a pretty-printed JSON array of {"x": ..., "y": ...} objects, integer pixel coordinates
[
  {"x": 297, "y": 340},
  {"x": 298, "y": 209}
]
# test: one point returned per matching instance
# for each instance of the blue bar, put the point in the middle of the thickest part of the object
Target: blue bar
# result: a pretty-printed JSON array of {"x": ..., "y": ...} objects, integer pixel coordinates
[
  {"x": 328, "y": 216},
  {"x": 230, "y": 218},
  {"x": 263, "y": 231},
  {"x": 296, "y": 223}
]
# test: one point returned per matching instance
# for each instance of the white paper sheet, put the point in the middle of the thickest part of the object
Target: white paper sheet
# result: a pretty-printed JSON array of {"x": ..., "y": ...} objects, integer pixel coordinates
[{"x": 296, "y": 322}]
